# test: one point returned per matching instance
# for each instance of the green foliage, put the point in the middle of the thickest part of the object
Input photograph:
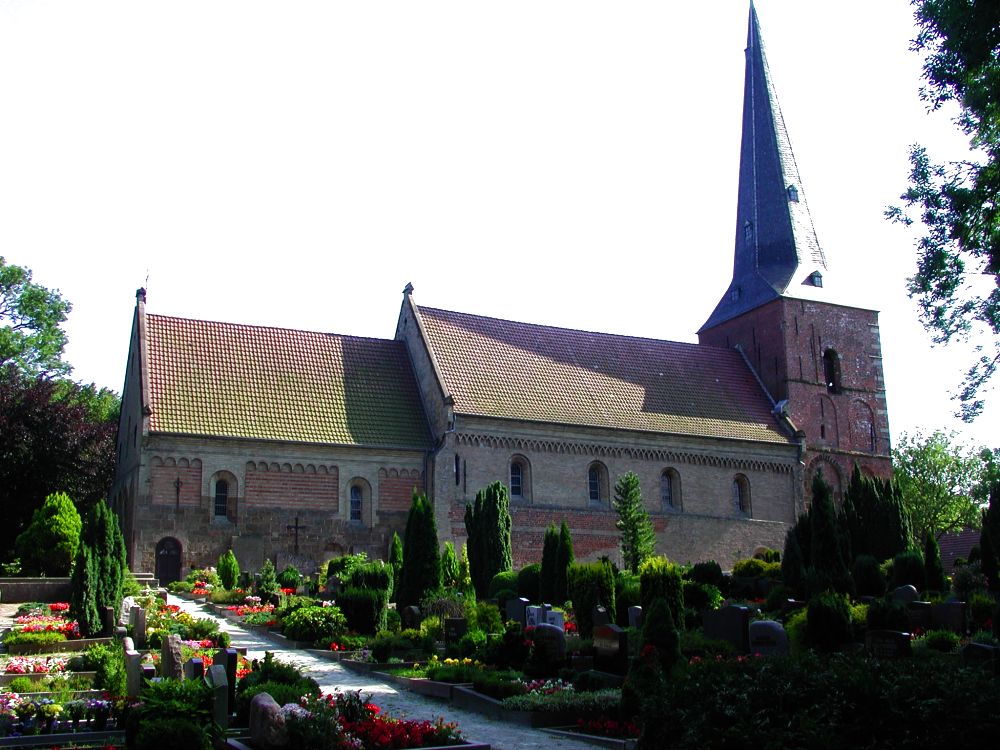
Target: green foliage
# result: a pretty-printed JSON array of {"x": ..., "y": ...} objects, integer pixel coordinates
[
  {"x": 708, "y": 571},
  {"x": 83, "y": 592},
  {"x": 498, "y": 684},
  {"x": 547, "y": 579},
  {"x": 364, "y": 609},
  {"x": 443, "y": 603},
  {"x": 944, "y": 641},
  {"x": 103, "y": 538},
  {"x": 934, "y": 578},
  {"x": 314, "y": 624},
  {"x": 595, "y": 703},
  {"x": 505, "y": 580},
  {"x": 793, "y": 569},
  {"x": 638, "y": 542},
  {"x": 23, "y": 638},
  {"x": 270, "y": 670},
  {"x": 375, "y": 575},
  {"x": 874, "y": 517},
  {"x": 464, "y": 571},
  {"x": 660, "y": 578},
  {"x": 31, "y": 318},
  {"x": 564, "y": 558},
  {"x": 267, "y": 581},
  {"x": 887, "y": 614},
  {"x": 396, "y": 562},
  {"x": 404, "y": 643},
  {"x": 180, "y": 711},
  {"x": 828, "y": 546},
  {"x": 989, "y": 536},
  {"x": 48, "y": 546},
  {"x": 529, "y": 579},
  {"x": 908, "y": 569},
  {"x": 701, "y": 596},
  {"x": 342, "y": 567},
  {"x": 229, "y": 569},
  {"x": 868, "y": 578},
  {"x": 488, "y": 525},
  {"x": 628, "y": 593},
  {"x": 757, "y": 568},
  {"x": 483, "y": 616},
  {"x": 828, "y": 622},
  {"x": 590, "y": 585},
  {"x": 937, "y": 479},
  {"x": 289, "y": 578},
  {"x": 449, "y": 566},
  {"x": 660, "y": 631},
  {"x": 421, "y": 561}
]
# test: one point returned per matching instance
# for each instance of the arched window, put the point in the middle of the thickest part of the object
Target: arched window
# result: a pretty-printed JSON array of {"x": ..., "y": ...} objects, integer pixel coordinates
[
  {"x": 831, "y": 370},
  {"x": 221, "y": 498},
  {"x": 597, "y": 482},
  {"x": 670, "y": 490},
  {"x": 357, "y": 502},
  {"x": 741, "y": 495},
  {"x": 520, "y": 478}
]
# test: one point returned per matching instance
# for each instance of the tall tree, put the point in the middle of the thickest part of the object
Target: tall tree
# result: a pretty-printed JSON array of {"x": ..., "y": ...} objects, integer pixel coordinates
[
  {"x": 31, "y": 316},
  {"x": 488, "y": 524},
  {"x": 638, "y": 542},
  {"x": 937, "y": 479},
  {"x": 874, "y": 517},
  {"x": 934, "y": 578},
  {"x": 449, "y": 566},
  {"x": 48, "y": 546},
  {"x": 53, "y": 438},
  {"x": 547, "y": 578},
  {"x": 989, "y": 539},
  {"x": 957, "y": 202},
  {"x": 828, "y": 566},
  {"x": 421, "y": 560},
  {"x": 564, "y": 558},
  {"x": 396, "y": 562}
]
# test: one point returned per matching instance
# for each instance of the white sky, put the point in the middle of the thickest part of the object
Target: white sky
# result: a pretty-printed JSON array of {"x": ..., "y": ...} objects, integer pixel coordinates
[{"x": 569, "y": 163}]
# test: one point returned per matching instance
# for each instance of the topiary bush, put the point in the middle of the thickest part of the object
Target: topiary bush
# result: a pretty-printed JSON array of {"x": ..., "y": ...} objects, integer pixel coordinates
[
  {"x": 867, "y": 575},
  {"x": 48, "y": 545},
  {"x": 828, "y": 622},
  {"x": 529, "y": 582},
  {"x": 908, "y": 569},
  {"x": 314, "y": 624},
  {"x": 590, "y": 585},
  {"x": 229, "y": 570},
  {"x": 484, "y": 616},
  {"x": 709, "y": 572},
  {"x": 289, "y": 578},
  {"x": 505, "y": 579},
  {"x": 374, "y": 575},
  {"x": 343, "y": 566},
  {"x": 660, "y": 632},
  {"x": 364, "y": 609},
  {"x": 267, "y": 580},
  {"x": 658, "y": 577}
]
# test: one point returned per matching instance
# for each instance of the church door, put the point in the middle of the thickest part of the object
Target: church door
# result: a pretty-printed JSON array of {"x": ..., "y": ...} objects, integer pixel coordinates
[{"x": 168, "y": 560}]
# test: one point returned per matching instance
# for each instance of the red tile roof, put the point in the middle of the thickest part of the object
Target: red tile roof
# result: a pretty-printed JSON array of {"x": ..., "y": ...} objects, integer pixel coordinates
[
  {"x": 499, "y": 368},
  {"x": 957, "y": 544},
  {"x": 245, "y": 381}
]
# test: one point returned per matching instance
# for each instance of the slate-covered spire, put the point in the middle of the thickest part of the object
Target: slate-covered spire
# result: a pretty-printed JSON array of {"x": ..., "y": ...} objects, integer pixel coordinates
[{"x": 777, "y": 253}]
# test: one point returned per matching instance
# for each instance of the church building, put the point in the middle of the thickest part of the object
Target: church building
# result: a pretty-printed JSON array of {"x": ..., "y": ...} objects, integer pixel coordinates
[{"x": 300, "y": 446}]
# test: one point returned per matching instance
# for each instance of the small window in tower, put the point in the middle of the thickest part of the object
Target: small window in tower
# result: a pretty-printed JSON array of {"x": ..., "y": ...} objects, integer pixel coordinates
[
  {"x": 831, "y": 371},
  {"x": 816, "y": 279},
  {"x": 793, "y": 194},
  {"x": 747, "y": 232}
]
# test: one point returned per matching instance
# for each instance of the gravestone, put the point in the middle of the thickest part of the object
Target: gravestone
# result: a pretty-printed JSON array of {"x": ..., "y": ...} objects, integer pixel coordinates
[
  {"x": 148, "y": 671},
  {"x": 548, "y": 648},
  {"x": 171, "y": 659},
  {"x": 410, "y": 617},
  {"x": 120, "y": 632},
  {"x": 981, "y": 655},
  {"x": 125, "y": 611},
  {"x": 599, "y": 616},
  {"x": 229, "y": 659},
  {"x": 635, "y": 617},
  {"x": 219, "y": 684},
  {"x": 611, "y": 649},
  {"x": 905, "y": 594},
  {"x": 768, "y": 638},
  {"x": 919, "y": 615},
  {"x": 128, "y": 644},
  {"x": 333, "y": 586},
  {"x": 137, "y": 619},
  {"x": 109, "y": 621},
  {"x": 557, "y": 619},
  {"x": 949, "y": 616},
  {"x": 515, "y": 610},
  {"x": 546, "y": 608},
  {"x": 194, "y": 668},
  {"x": 133, "y": 674},
  {"x": 454, "y": 629},
  {"x": 887, "y": 644},
  {"x": 731, "y": 623},
  {"x": 532, "y": 616},
  {"x": 267, "y": 723}
]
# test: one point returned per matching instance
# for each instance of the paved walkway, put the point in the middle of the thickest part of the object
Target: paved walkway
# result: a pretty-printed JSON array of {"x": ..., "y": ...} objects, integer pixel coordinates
[{"x": 399, "y": 703}]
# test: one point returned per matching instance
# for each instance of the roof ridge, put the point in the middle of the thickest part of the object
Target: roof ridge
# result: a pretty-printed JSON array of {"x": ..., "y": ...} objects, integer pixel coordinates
[{"x": 270, "y": 328}]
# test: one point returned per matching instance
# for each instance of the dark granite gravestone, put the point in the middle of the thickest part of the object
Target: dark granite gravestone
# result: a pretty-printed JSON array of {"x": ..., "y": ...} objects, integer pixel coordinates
[
  {"x": 455, "y": 628},
  {"x": 599, "y": 616},
  {"x": 410, "y": 617},
  {"x": 635, "y": 617},
  {"x": 919, "y": 615},
  {"x": 109, "y": 621},
  {"x": 137, "y": 619},
  {"x": 768, "y": 638},
  {"x": 887, "y": 644},
  {"x": 515, "y": 610},
  {"x": 611, "y": 649},
  {"x": 731, "y": 623},
  {"x": 905, "y": 594},
  {"x": 229, "y": 659},
  {"x": 548, "y": 649},
  {"x": 219, "y": 684},
  {"x": 949, "y": 616},
  {"x": 171, "y": 660},
  {"x": 267, "y": 723},
  {"x": 194, "y": 668}
]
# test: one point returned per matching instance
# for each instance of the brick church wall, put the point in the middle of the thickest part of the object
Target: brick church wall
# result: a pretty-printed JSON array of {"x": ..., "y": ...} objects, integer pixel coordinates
[
  {"x": 292, "y": 487},
  {"x": 164, "y": 473}
]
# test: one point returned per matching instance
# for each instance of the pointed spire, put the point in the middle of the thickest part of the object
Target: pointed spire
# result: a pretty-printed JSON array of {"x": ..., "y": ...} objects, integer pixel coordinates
[{"x": 777, "y": 252}]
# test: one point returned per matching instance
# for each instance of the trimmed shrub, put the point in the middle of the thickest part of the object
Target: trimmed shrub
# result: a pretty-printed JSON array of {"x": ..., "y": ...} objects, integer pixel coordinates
[
  {"x": 749, "y": 568},
  {"x": 449, "y": 566},
  {"x": 229, "y": 570},
  {"x": 590, "y": 585},
  {"x": 627, "y": 594},
  {"x": 867, "y": 575},
  {"x": 658, "y": 577},
  {"x": 660, "y": 631},
  {"x": 314, "y": 624},
  {"x": 934, "y": 578},
  {"x": 48, "y": 545},
  {"x": 709, "y": 572},
  {"x": 342, "y": 567},
  {"x": 484, "y": 616},
  {"x": 289, "y": 578},
  {"x": 564, "y": 558},
  {"x": 374, "y": 575},
  {"x": 908, "y": 569},
  {"x": 421, "y": 561},
  {"x": 828, "y": 622},
  {"x": 529, "y": 580},
  {"x": 267, "y": 582},
  {"x": 550, "y": 549},
  {"x": 488, "y": 524},
  {"x": 364, "y": 609},
  {"x": 504, "y": 580},
  {"x": 505, "y": 595},
  {"x": 702, "y": 596}
]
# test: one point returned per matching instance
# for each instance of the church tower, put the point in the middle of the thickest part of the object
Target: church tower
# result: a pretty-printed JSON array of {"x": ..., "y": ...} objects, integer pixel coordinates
[{"x": 820, "y": 361}]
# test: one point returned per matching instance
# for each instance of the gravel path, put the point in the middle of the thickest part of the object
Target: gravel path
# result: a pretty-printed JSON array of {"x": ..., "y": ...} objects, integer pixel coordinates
[{"x": 399, "y": 703}]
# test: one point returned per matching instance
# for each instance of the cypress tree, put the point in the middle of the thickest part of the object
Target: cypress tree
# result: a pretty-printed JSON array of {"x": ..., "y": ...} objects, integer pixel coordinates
[
  {"x": 396, "y": 561},
  {"x": 550, "y": 550},
  {"x": 449, "y": 566},
  {"x": 890, "y": 531},
  {"x": 827, "y": 563},
  {"x": 83, "y": 595},
  {"x": 421, "y": 560},
  {"x": 564, "y": 558},
  {"x": 989, "y": 540},
  {"x": 638, "y": 542},
  {"x": 488, "y": 525},
  {"x": 792, "y": 565},
  {"x": 934, "y": 578}
]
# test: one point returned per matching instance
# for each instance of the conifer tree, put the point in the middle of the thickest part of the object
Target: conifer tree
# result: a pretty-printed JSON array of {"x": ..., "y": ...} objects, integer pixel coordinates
[
  {"x": 989, "y": 540},
  {"x": 792, "y": 564},
  {"x": 421, "y": 560},
  {"x": 564, "y": 558},
  {"x": 449, "y": 566},
  {"x": 229, "y": 569},
  {"x": 488, "y": 525},
  {"x": 934, "y": 578},
  {"x": 638, "y": 542},
  {"x": 547, "y": 578},
  {"x": 83, "y": 595},
  {"x": 464, "y": 574},
  {"x": 48, "y": 545},
  {"x": 396, "y": 562},
  {"x": 828, "y": 567}
]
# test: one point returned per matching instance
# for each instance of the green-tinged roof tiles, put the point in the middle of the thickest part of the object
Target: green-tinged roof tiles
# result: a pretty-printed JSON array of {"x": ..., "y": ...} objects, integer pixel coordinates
[
  {"x": 245, "y": 381},
  {"x": 499, "y": 368}
]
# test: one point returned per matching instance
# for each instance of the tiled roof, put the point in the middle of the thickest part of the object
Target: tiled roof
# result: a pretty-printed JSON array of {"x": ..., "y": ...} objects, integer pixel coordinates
[
  {"x": 276, "y": 384},
  {"x": 957, "y": 544},
  {"x": 498, "y": 368}
]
